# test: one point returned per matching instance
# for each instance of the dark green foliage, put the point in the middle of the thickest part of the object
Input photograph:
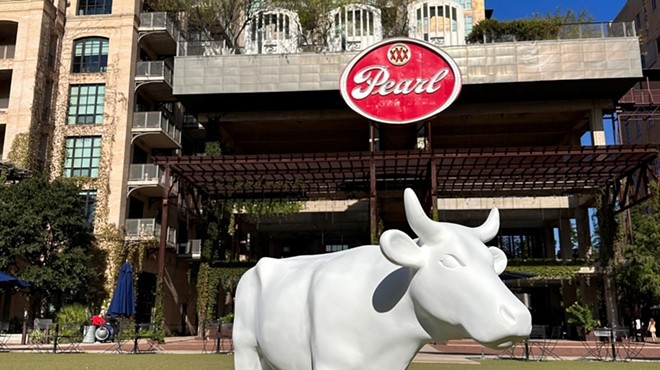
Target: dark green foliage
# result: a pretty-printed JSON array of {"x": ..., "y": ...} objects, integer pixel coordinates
[
  {"x": 638, "y": 277},
  {"x": 540, "y": 27},
  {"x": 45, "y": 241},
  {"x": 490, "y": 30}
]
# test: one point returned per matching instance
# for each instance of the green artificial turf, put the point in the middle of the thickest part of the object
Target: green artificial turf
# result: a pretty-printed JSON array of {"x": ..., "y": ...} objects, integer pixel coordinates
[{"x": 84, "y": 361}]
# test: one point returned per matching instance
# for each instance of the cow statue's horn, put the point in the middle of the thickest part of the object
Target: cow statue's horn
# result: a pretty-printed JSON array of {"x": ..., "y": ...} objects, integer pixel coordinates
[
  {"x": 420, "y": 223},
  {"x": 490, "y": 227}
]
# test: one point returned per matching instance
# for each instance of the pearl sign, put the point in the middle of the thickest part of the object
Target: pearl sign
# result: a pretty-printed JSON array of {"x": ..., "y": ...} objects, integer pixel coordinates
[{"x": 400, "y": 81}]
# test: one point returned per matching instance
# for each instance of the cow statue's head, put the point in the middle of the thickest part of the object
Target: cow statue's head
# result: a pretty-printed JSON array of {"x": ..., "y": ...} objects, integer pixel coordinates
[{"x": 456, "y": 290}]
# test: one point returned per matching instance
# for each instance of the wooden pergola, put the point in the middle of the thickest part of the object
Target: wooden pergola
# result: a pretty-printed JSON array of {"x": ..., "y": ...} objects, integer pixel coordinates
[{"x": 623, "y": 170}]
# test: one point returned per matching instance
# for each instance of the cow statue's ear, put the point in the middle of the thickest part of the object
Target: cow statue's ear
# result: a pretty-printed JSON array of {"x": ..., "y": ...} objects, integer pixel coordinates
[
  {"x": 400, "y": 249},
  {"x": 499, "y": 259}
]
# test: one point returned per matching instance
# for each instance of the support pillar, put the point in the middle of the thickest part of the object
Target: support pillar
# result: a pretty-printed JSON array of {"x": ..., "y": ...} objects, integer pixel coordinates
[
  {"x": 549, "y": 236},
  {"x": 373, "y": 199},
  {"x": 565, "y": 246},
  {"x": 583, "y": 231},
  {"x": 596, "y": 126}
]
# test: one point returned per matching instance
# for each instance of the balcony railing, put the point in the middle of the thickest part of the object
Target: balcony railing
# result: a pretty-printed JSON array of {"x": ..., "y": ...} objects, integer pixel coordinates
[
  {"x": 641, "y": 96},
  {"x": 146, "y": 229},
  {"x": 190, "y": 122},
  {"x": 159, "y": 21},
  {"x": 7, "y": 51},
  {"x": 192, "y": 249},
  {"x": 153, "y": 71},
  {"x": 154, "y": 121},
  {"x": 145, "y": 173}
]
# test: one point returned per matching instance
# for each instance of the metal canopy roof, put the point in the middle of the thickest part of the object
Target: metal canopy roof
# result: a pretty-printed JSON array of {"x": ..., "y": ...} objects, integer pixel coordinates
[{"x": 459, "y": 172}]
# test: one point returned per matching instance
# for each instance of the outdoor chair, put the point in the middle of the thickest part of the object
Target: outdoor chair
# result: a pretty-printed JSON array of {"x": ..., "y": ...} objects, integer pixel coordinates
[
  {"x": 152, "y": 334},
  {"x": 537, "y": 342},
  {"x": 68, "y": 338},
  {"x": 41, "y": 336},
  {"x": 123, "y": 333},
  {"x": 4, "y": 336},
  {"x": 209, "y": 334},
  {"x": 226, "y": 342},
  {"x": 555, "y": 335}
]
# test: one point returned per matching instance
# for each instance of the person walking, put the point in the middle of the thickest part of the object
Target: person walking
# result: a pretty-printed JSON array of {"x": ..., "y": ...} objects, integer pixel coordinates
[{"x": 652, "y": 330}]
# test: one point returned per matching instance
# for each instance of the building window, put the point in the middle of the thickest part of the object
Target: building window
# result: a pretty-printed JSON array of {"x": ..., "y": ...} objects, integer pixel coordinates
[
  {"x": 86, "y": 104},
  {"x": 336, "y": 247},
  {"x": 627, "y": 131},
  {"x": 467, "y": 4},
  {"x": 89, "y": 200},
  {"x": 638, "y": 128},
  {"x": 654, "y": 4},
  {"x": 468, "y": 24},
  {"x": 91, "y": 7},
  {"x": 82, "y": 156},
  {"x": 638, "y": 21},
  {"x": 90, "y": 55}
]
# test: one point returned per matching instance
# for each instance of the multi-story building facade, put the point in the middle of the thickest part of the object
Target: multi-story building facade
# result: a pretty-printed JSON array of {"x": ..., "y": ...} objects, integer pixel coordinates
[
  {"x": 639, "y": 113},
  {"x": 117, "y": 97}
]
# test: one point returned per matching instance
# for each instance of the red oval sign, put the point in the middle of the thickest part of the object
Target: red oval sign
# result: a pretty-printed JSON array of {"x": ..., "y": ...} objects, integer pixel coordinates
[{"x": 400, "y": 81}]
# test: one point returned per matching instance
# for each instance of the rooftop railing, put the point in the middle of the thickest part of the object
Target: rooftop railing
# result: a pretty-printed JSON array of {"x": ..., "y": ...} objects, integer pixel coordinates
[{"x": 564, "y": 32}]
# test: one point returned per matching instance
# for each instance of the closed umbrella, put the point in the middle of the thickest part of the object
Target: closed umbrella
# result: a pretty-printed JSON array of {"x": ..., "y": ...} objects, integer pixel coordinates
[
  {"x": 8, "y": 281},
  {"x": 123, "y": 299}
]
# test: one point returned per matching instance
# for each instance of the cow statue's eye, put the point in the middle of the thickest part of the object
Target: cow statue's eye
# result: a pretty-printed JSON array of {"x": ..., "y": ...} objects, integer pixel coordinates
[{"x": 451, "y": 262}]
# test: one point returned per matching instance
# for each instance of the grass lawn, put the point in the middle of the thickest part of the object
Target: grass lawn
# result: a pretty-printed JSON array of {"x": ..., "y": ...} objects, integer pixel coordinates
[{"x": 20, "y": 361}]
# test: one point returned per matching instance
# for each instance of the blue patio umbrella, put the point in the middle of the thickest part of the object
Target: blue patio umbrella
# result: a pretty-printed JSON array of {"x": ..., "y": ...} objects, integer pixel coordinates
[
  {"x": 123, "y": 299},
  {"x": 8, "y": 281}
]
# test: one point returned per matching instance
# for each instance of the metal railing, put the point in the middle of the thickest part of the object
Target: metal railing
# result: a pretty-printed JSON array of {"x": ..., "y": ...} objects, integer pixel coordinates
[
  {"x": 154, "y": 70},
  {"x": 572, "y": 31},
  {"x": 159, "y": 21},
  {"x": 149, "y": 121},
  {"x": 204, "y": 48},
  {"x": 565, "y": 32},
  {"x": 148, "y": 228},
  {"x": 189, "y": 121},
  {"x": 192, "y": 248},
  {"x": 146, "y": 172}
]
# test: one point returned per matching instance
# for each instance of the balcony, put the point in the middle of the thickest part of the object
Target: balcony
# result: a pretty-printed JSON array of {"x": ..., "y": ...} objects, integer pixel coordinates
[
  {"x": 146, "y": 229},
  {"x": 146, "y": 179},
  {"x": 154, "y": 79},
  {"x": 191, "y": 249},
  {"x": 159, "y": 32},
  {"x": 156, "y": 130}
]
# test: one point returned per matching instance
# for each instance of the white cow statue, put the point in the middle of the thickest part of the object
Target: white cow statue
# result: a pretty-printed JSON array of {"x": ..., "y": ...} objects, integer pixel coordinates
[{"x": 374, "y": 308}]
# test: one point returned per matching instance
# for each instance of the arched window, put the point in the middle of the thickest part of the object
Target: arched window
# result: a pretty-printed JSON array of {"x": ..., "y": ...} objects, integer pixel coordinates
[
  {"x": 90, "y": 55},
  {"x": 91, "y": 7},
  {"x": 272, "y": 31}
]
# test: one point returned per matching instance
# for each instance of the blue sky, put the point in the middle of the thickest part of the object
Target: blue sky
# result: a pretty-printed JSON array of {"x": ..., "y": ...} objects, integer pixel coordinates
[{"x": 601, "y": 10}]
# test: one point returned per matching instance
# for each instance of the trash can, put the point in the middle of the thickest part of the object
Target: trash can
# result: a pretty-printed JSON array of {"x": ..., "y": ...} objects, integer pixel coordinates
[{"x": 89, "y": 334}]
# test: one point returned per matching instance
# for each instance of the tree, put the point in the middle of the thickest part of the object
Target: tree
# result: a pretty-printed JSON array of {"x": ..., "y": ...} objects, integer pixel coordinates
[
  {"x": 547, "y": 27},
  {"x": 212, "y": 20},
  {"x": 44, "y": 240},
  {"x": 638, "y": 277}
]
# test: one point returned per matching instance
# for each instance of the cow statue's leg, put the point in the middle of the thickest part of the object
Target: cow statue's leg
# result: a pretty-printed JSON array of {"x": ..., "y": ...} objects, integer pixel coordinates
[{"x": 246, "y": 354}]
